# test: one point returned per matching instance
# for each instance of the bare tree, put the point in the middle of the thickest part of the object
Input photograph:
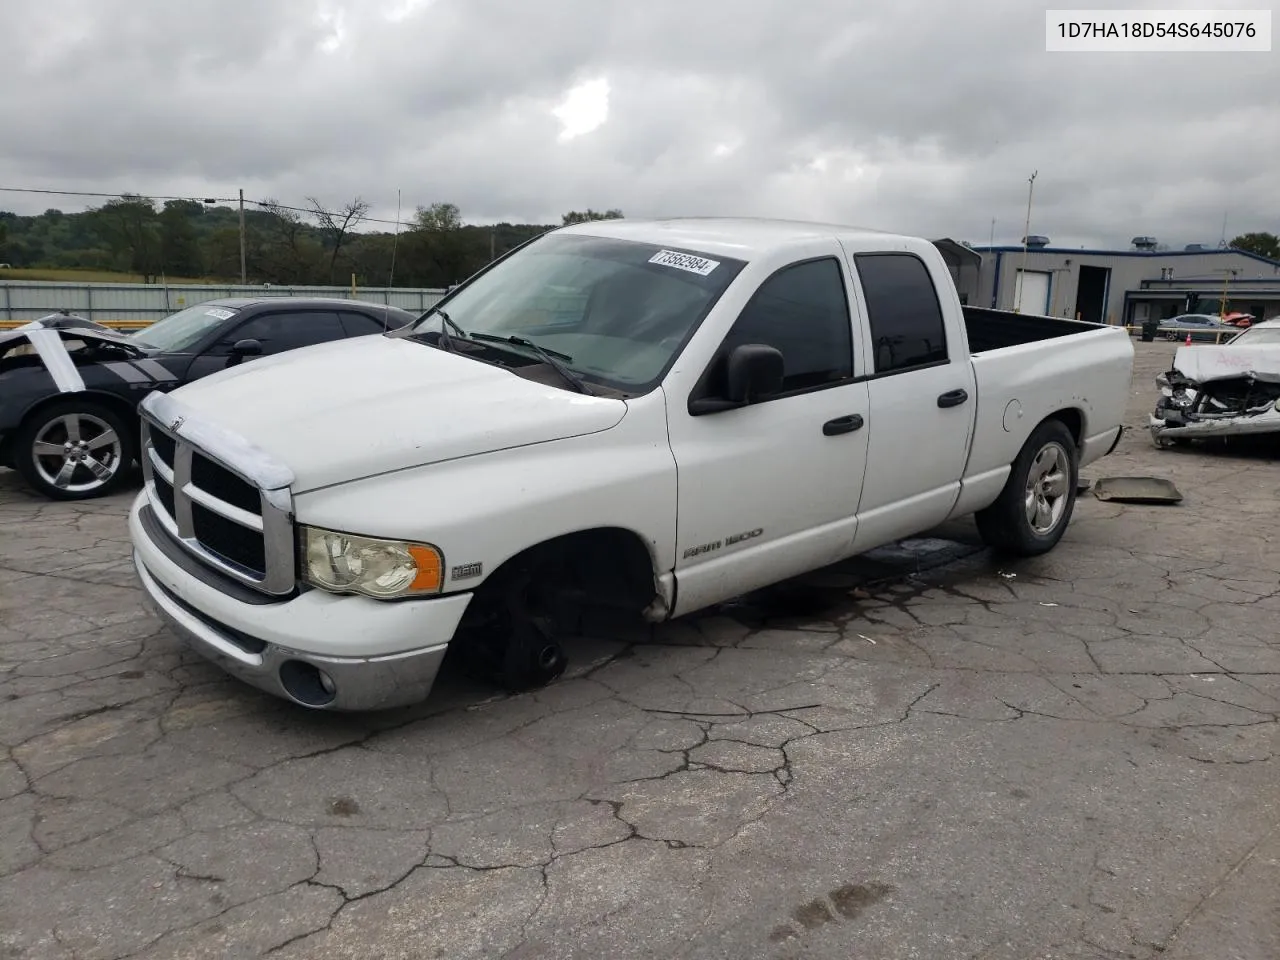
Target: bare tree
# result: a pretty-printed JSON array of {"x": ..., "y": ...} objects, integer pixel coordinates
[
  {"x": 287, "y": 253},
  {"x": 337, "y": 226}
]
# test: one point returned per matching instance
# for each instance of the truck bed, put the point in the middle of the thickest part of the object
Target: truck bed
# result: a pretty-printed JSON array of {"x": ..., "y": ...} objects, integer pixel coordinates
[
  {"x": 989, "y": 329},
  {"x": 1027, "y": 367}
]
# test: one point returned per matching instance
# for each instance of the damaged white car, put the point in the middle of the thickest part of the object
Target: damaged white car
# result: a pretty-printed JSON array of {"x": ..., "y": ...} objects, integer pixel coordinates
[{"x": 1228, "y": 390}]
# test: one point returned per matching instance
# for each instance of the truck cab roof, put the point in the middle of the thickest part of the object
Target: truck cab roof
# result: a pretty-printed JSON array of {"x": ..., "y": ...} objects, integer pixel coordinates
[{"x": 744, "y": 238}]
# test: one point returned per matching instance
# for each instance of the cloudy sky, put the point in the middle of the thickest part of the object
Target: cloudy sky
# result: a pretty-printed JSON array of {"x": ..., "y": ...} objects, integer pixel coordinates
[{"x": 923, "y": 116}]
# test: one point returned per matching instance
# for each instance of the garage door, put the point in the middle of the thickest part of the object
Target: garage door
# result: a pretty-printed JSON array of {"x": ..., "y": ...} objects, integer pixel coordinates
[{"x": 1031, "y": 292}]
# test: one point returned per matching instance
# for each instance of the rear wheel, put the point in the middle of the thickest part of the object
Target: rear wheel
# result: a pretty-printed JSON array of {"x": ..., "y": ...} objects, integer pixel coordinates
[
  {"x": 1034, "y": 508},
  {"x": 74, "y": 450}
]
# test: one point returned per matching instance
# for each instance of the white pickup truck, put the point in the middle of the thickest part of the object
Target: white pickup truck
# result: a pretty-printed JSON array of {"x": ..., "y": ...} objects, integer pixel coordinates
[{"x": 653, "y": 416}]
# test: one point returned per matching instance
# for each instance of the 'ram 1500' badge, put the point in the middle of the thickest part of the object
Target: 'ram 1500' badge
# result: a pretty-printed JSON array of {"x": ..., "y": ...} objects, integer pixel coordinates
[
  {"x": 467, "y": 570},
  {"x": 726, "y": 542}
]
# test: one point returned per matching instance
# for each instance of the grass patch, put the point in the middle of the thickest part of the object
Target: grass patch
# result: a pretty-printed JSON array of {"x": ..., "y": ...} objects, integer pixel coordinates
[{"x": 95, "y": 276}]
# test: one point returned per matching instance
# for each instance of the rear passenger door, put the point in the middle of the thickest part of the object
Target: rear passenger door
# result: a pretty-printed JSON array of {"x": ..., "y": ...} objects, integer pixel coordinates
[{"x": 921, "y": 397}]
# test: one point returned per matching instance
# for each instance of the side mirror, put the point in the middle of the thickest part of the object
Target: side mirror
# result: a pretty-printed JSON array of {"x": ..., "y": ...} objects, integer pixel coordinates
[
  {"x": 245, "y": 348},
  {"x": 753, "y": 372}
]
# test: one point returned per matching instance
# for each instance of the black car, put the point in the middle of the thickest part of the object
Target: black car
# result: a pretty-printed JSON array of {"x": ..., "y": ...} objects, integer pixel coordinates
[{"x": 69, "y": 387}]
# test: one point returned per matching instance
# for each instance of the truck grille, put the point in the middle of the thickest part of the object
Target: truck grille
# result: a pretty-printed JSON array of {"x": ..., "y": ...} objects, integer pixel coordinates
[{"x": 229, "y": 506}]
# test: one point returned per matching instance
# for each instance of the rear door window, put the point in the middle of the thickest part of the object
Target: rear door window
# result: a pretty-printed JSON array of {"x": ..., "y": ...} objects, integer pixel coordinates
[{"x": 904, "y": 312}]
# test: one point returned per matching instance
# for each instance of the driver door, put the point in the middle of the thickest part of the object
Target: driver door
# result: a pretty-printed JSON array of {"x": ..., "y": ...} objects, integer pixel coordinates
[{"x": 770, "y": 490}]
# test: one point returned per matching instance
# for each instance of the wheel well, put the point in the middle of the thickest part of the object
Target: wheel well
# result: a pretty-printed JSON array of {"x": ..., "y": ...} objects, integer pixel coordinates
[
  {"x": 1073, "y": 420},
  {"x": 127, "y": 411},
  {"x": 604, "y": 566}
]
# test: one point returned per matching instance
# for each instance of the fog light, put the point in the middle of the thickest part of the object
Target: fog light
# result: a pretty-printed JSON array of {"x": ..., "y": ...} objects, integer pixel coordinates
[{"x": 307, "y": 684}]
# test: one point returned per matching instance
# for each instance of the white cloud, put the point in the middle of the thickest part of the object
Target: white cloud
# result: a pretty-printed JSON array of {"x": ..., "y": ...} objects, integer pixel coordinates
[
  {"x": 584, "y": 108},
  {"x": 925, "y": 116},
  {"x": 404, "y": 9}
]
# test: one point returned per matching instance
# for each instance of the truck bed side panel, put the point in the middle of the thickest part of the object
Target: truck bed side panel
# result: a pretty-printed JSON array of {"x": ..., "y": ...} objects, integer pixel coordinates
[
  {"x": 1020, "y": 386},
  {"x": 989, "y": 329}
]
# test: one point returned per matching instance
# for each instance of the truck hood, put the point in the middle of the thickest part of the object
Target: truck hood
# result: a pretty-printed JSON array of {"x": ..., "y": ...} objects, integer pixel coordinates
[
  {"x": 1207, "y": 363},
  {"x": 350, "y": 409}
]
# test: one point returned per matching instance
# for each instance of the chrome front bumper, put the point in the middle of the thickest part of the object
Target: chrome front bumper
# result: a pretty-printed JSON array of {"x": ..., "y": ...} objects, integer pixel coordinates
[{"x": 354, "y": 683}]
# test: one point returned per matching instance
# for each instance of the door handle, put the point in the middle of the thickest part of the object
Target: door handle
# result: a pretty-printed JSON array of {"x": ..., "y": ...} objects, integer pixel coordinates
[
  {"x": 842, "y": 425},
  {"x": 953, "y": 398}
]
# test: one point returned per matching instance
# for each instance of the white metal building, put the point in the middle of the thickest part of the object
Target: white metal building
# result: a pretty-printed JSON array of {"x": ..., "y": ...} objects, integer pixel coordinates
[{"x": 1125, "y": 286}]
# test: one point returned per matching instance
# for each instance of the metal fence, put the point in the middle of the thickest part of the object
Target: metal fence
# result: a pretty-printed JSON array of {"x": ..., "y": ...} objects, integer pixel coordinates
[{"x": 139, "y": 304}]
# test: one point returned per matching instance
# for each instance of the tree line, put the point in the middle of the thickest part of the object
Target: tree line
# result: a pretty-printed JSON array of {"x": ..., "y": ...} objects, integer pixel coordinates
[
  {"x": 290, "y": 245},
  {"x": 1264, "y": 244},
  {"x": 283, "y": 245}
]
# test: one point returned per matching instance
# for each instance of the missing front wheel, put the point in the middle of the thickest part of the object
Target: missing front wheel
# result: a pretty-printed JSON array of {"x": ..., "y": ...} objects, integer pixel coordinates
[{"x": 510, "y": 638}]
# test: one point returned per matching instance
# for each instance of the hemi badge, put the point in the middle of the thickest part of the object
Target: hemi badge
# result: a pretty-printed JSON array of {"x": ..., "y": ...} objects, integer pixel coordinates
[{"x": 467, "y": 571}]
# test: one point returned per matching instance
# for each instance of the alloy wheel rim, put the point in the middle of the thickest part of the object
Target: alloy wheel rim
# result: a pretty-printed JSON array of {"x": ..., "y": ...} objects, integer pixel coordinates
[
  {"x": 77, "y": 452},
  {"x": 1048, "y": 483}
]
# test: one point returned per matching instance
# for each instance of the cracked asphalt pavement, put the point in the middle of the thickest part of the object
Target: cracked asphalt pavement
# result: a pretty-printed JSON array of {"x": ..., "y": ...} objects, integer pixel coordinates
[{"x": 922, "y": 753}]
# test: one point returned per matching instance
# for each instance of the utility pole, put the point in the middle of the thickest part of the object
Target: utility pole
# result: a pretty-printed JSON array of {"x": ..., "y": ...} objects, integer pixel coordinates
[
  {"x": 492, "y": 246},
  {"x": 1227, "y": 274},
  {"x": 244, "y": 277},
  {"x": 1026, "y": 235}
]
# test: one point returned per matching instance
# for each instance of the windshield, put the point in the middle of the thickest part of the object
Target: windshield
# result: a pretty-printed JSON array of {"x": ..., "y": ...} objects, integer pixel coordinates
[
  {"x": 615, "y": 312},
  {"x": 1258, "y": 335},
  {"x": 182, "y": 330}
]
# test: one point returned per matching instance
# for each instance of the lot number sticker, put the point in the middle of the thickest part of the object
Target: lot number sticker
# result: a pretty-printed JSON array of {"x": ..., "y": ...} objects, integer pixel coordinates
[
  {"x": 685, "y": 261},
  {"x": 219, "y": 313}
]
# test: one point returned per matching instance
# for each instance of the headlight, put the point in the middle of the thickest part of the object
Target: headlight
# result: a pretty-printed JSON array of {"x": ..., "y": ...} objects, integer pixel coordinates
[{"x": 382, "y": 569}]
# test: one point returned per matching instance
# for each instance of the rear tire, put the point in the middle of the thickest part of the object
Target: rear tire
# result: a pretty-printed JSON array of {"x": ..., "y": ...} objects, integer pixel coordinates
[
  {"x": 1034, "y": 508},
  {"x": 74, "y": 450}
]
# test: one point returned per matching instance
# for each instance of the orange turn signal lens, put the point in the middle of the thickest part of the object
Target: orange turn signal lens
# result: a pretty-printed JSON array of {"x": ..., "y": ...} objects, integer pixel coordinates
[{"x": 430, "y": 573}]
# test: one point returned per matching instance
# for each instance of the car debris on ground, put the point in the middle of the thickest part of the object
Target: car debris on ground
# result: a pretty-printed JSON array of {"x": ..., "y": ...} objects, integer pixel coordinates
[{"x": 1136, "y": 490}]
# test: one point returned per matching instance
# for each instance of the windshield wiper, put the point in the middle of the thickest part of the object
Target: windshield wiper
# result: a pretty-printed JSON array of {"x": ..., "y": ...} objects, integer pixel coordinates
[
  {"x": 549, "y": 356},
  {"x": 410, "y": 331},
  {"x": 445, "y": 336}
]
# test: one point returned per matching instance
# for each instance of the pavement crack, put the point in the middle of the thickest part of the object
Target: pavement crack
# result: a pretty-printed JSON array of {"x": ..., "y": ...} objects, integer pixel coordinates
[{"x": 744, "y": 714}]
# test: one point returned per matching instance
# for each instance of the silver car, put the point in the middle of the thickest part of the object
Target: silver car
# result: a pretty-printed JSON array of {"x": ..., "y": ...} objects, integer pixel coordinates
[{"x": 1201, "y": 326}]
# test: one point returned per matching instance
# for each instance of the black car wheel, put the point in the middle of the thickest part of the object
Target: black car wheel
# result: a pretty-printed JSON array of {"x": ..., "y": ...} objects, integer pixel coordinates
[{"x": 74, "y": 450}]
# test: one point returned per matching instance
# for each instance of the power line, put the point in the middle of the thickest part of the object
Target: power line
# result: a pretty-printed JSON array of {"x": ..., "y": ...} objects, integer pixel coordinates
[
  {"x": 113, "y": 196},
  {"x": 266, "y": 204}
]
